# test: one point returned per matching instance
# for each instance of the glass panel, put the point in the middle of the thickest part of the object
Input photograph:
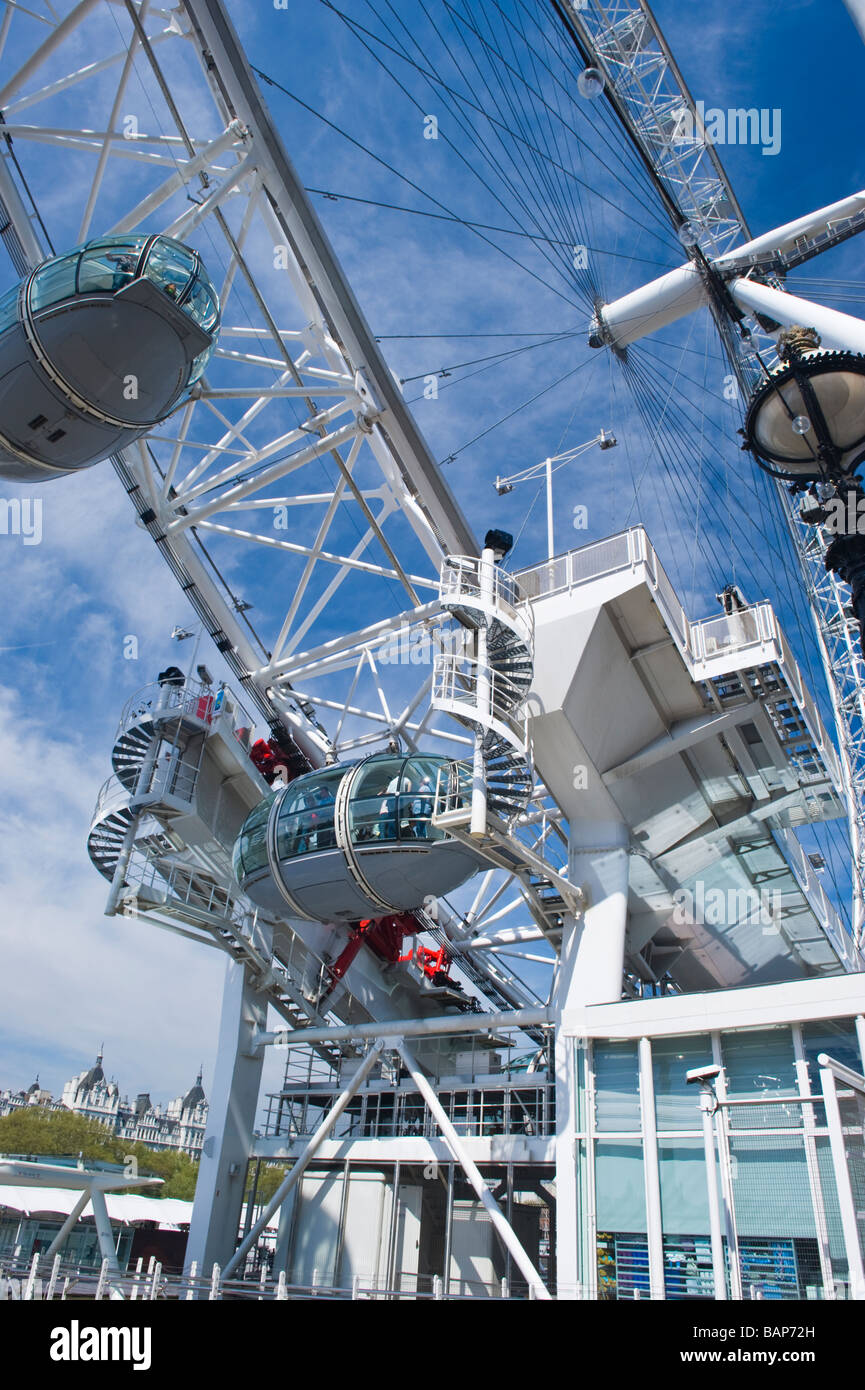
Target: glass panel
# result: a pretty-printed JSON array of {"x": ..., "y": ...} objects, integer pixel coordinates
[
  {"x": 623, "y": 1265},
  {"x": 619, "y": 1185},
  {"x": 108, "y": 265},
  {"x": 677, "y": 1105},
  {"x": 202, "y": 304},
  {"x": 170, "y": 266},
  {"x": 617, "y": 1091},
  {"x": 416, "y": 805},
  {"x": 200, "y": 363},
  {"x": 55, "y": 281},
  {"x": 759, "y": 1063},
  {"x": 837, "y": 1037},
  {"x": 305, "y": 820},
  {"x": 688, "y": 1267},
  {"x": 684, "y": 1195},
  {"x": 374, "y": 807},
  {"x": 250, "y": 851},
  {"x": 771, "y": 1193}
]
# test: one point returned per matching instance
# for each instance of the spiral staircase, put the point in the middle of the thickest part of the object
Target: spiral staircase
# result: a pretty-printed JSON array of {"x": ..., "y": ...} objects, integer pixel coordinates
[
  {"x": 486, "y": 692},
  {"x": 156, "y": 757}
]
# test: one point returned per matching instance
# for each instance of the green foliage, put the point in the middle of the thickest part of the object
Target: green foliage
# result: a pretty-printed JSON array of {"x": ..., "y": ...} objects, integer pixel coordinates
[
  {"x": 35, "y": 1130},
  {"x": 269, "y": 1178}
]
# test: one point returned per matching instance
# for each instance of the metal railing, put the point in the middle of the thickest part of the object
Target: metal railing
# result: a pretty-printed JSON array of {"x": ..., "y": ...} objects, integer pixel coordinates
[
  {"x": 169, "y": 777},
  {"x": 112, "y": 797},
  {"x": 729, "y": 634},
  {"x": 468, "y": 579},
  {"x": 456, "y": 681},
  {"x": 192, "y": 698},
  {"x": 65, "y": 1280}
]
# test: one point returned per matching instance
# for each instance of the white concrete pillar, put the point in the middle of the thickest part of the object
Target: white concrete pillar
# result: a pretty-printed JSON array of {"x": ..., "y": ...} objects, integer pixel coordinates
[
  {"x": 590, "y": 972},
  {"x": 230, "y": 1121}
]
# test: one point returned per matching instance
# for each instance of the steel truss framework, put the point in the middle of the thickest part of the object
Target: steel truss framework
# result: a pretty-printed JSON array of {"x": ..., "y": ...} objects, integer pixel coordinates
[
  {"x": 649, "y": 95},
  {"x": 296, "y": 457}
]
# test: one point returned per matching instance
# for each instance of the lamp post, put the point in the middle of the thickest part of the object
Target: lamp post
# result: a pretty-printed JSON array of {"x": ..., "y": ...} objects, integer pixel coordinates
[
  {"x": 546, "y": 469},
  {"x": 805, "y": 424}
]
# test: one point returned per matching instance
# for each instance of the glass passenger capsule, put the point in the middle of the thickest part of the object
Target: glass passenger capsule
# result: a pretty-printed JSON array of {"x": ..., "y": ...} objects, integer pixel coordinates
[
  {"x": 351, "y": 841},
  {"x": 96, "y": 347}
]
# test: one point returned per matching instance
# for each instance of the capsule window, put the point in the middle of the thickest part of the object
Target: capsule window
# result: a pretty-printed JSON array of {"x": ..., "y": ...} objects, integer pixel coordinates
[
  {"x": 171, "y": 267},
  {"x": 108, "y": 266},
  {"x": 250, "y": 851},
  {"x": 53, "y": 282},
  {"x": 305, "y": 821},
  {"x": 203, "y": 305}
]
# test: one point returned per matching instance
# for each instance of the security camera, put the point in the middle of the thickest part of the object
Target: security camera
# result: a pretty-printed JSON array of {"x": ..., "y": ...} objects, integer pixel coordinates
[{"x": 703, "y": 1075}]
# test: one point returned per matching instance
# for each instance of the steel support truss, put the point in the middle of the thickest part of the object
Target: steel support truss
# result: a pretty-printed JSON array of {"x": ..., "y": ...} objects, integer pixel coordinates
[{"x": 644, "y": 87}]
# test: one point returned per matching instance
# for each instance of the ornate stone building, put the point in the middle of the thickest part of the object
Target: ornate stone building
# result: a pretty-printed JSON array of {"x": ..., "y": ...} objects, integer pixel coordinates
[{"x": 180, "y": 1125}]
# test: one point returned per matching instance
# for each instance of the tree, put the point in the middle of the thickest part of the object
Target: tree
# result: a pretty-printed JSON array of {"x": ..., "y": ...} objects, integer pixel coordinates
[{"x": 34, "y": 1130}]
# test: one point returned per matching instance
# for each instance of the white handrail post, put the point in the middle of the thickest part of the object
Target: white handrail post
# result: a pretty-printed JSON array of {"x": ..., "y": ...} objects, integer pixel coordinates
[
  {"x": 52, "y": 1282},
  {"x": 30, "y": 1286},
  {"x": 846, "y": 1204}
]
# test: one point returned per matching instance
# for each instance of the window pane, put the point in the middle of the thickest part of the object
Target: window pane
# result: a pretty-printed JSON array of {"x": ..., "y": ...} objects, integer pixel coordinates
[
  {"x": 55, "y": 281},
  {"x": 758, "y": 1061},
  {"x": 835, "y": 1036},
  {"x": 617, "y": 1091},
  {"x": 677, "y": 1105},
  {"x": 104, "y": 268},
  {"x": 684, "y": 1194},
  {"x": 170, "y": 266}
]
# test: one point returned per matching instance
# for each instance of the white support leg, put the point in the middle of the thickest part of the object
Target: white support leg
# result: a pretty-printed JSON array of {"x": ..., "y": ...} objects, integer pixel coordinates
[
  {"x": 717, "y": 1242},
  {"x": 60, "y": 1238},
  {"x": 230, "y": 1122},
  {"x": 846, "y": 1204},
  {"x": 651, "y": 1170},
  {"x": 104, "y": 1233},
  {"x": 292, "y": 1178},
  {"x": 473, "y": 1173},
  {"x": 590, "y": 972}
]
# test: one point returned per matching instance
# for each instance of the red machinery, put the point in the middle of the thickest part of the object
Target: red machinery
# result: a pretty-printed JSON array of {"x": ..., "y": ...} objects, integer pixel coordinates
[{"x": 385, "y": 936}]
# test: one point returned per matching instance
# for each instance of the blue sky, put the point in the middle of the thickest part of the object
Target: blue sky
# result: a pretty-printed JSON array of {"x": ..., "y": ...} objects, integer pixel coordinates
[{"x": 71, "y": 977}]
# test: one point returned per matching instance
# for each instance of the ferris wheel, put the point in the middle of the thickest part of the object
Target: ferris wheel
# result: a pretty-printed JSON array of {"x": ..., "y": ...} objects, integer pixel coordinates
[{"x": 181, "y": 310}]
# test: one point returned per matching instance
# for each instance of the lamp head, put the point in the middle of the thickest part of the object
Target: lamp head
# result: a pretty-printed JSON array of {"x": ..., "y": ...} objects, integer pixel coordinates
[{"x": 806, "y": 421}]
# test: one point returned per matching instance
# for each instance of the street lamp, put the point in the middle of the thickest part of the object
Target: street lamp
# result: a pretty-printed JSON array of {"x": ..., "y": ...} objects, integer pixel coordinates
[
  {"x": 547, "y": 468},
  {"x": 806, "y": 424},
  {"x": 806, "y": 421}
]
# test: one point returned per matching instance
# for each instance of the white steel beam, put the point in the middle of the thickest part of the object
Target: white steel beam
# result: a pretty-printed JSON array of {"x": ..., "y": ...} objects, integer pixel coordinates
[
  {"x": 502, "y": 1226},
  {"x": 299, "y": 1167}
]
